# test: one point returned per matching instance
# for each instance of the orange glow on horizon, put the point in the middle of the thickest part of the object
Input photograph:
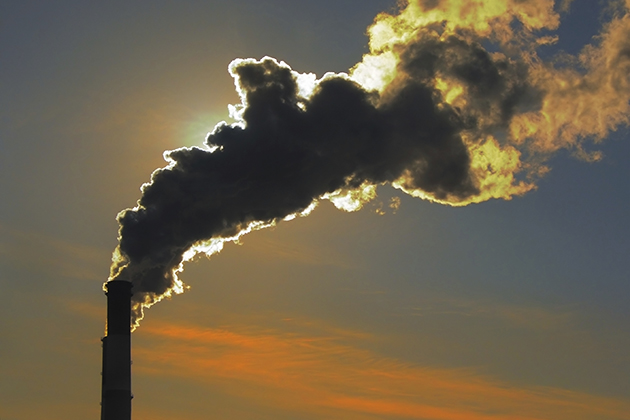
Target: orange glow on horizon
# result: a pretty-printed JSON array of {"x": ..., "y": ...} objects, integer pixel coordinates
[{"x": 332, "y": 375}]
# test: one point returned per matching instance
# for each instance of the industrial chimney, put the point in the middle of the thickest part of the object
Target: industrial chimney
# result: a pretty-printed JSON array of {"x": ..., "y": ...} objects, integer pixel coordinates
[{"x": 116, "y": 389}]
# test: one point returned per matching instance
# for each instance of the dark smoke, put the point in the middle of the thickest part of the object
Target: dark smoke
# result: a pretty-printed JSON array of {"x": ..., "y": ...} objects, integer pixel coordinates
[
  {"x": 497, "y": 86},
  {"x": 289, "y": 150}
]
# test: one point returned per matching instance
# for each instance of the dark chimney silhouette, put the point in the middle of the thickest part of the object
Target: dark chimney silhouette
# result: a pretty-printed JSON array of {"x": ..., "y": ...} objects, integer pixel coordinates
[{"x": 116, "y": 389}]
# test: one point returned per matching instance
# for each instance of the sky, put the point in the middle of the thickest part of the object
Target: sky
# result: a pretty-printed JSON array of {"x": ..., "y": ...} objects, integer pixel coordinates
[{"x": 512, "y": 307}]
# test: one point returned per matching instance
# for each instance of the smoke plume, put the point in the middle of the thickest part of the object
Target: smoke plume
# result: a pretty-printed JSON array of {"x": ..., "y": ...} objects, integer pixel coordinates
[{"x": 452, "y": 105}]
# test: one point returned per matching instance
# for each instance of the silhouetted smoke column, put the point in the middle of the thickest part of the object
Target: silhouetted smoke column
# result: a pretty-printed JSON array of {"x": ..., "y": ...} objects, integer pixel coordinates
[{"x": 444, "y": 125}]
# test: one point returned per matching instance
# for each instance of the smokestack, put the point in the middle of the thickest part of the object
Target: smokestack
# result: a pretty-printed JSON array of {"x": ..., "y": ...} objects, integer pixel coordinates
[{"x": 116, "y": 389}]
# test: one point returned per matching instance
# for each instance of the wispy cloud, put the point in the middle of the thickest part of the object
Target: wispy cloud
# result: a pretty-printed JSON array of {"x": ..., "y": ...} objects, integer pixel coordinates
[
  {"x": 332, "y": 375},
  {"x": 522, "y": 316}
]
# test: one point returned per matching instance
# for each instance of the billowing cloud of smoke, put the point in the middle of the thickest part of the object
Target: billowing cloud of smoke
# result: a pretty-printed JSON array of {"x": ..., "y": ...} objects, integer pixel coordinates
[{"x": 429, "y": 111}]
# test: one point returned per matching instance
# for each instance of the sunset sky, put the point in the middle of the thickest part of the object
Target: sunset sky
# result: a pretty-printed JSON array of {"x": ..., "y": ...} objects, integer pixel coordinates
[{"x": 512, "y": 308}]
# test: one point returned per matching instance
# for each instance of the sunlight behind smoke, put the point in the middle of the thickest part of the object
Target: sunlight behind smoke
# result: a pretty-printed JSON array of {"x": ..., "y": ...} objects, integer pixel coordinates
[
  {"x": 452, "y": 105},
  {"x": 352, "y": 199},
  {"x": 375, "y": 72},
  {"x": 450, "y": 91},
  {"x": 579, "y": 106}
]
